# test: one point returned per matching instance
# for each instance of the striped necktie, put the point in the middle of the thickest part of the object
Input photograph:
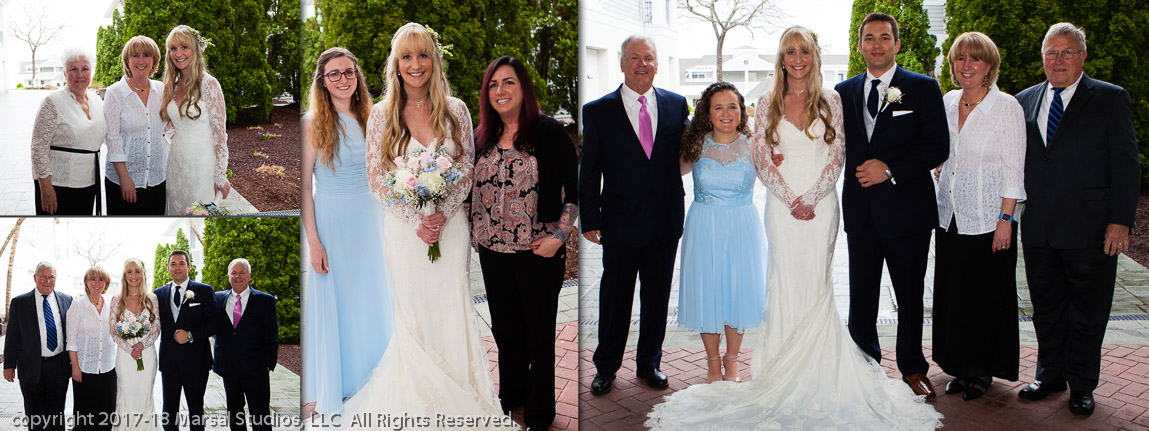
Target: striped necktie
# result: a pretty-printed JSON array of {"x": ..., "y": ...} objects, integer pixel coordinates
[
  {"x": 49, "y": 324},
  {"x": 1056, "y": 109}
]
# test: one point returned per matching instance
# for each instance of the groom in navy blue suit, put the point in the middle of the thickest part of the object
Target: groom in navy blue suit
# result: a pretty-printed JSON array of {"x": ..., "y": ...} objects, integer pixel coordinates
[
  {"x": 896, "y": 132},
  {"x": 187, "y": 320},
  {"x": 630, "y": 192}
]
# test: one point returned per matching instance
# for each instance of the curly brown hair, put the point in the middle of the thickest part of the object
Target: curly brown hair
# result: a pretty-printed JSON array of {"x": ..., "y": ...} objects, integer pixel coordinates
[{"x": 700, "y": 125}]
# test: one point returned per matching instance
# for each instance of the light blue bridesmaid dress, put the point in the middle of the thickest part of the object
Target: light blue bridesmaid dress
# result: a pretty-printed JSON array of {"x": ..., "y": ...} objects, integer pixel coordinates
[
  {"x": 722, "y": 277},
  {"x": 347, "y": 312}
]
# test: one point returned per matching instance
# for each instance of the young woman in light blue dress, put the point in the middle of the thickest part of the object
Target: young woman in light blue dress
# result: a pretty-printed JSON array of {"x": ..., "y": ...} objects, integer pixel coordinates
[
  {"x": 347, "y": 306},
  {"x": 722, "y": 280}
]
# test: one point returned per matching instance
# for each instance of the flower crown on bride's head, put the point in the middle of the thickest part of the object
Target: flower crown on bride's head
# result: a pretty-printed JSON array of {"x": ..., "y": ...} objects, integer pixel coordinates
[
  {"x": 445, "y": 49},
  {"x": 203, "y": 41}
]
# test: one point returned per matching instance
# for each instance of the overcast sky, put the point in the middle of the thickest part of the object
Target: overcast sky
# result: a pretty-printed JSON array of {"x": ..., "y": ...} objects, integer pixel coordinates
[{"x": 830, "y": 19}]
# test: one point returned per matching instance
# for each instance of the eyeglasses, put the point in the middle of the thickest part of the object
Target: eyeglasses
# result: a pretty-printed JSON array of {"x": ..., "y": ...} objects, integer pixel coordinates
[
  {"x": 335, "y": 76},
  {"x": 46, "y": 277},
  {"x": 1067, "y": 54}
]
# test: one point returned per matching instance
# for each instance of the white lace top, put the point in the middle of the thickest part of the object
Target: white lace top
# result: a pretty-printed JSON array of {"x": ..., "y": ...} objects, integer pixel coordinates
[
  {"x": 61, "y": 122},
  {"x": 458, "y": 192},
  {"x": 986, "y": 162},
  {"x": 89, "y": 336},
  {"x": 768, "y": 173},
  {"x": 136, "y": 133},
  {"x": 150, "y": 338},
  {"x": 212, "y": 98}
]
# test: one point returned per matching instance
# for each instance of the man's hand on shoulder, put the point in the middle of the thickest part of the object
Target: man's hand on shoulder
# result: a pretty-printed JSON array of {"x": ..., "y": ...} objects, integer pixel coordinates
[{"x": 593, "y": 236}]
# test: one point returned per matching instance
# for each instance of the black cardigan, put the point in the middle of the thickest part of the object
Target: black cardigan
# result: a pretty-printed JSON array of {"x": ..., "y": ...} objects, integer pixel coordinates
[{"x": 558, "y": 168}]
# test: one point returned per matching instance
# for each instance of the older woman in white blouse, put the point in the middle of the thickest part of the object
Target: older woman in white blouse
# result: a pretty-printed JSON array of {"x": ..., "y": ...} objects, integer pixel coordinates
[
  {"x": 975, "y": 289},
  {"x": 93, "y": 354},
  {"x": 66, "y": 139},
  {"x": 137, "y": 153}
]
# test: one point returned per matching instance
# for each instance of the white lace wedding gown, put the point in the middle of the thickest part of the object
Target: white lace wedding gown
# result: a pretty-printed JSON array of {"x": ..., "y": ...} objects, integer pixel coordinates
[
  {"x": 134, "y": 401},
  {"x": 197, "y": 159},
  {"x": 807, "y": 372},
  {"x": 435, "y": 363}
]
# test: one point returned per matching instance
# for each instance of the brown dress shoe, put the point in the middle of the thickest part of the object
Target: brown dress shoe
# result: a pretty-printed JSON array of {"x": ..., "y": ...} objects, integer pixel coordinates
[{"x": 920, "y": 384}]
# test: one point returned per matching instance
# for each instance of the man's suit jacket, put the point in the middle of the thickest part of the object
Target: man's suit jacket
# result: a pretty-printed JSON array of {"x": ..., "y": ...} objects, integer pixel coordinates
[
  {"x": 197, "y": 316},
  {"x": 1088, "y": 176},
  {"x": 251, "y": 346},
  {"x": 630, "y": 199},
  {"x": 911, "y": 144},
  {"x": 22, "y": 339}
]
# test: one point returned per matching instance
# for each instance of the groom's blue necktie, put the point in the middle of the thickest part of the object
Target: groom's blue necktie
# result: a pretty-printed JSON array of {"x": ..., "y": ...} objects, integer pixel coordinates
[
  {"x": 872, "y": 103},
  {"x": 1056, "y": 109},
  {"x": 49, "y": 324},
  {"x": 178, "y": 297}
]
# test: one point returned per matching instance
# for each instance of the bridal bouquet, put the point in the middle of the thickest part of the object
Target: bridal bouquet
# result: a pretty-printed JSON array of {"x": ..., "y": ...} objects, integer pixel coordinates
[
  {"x": 420, "y": 181},
  {"x": 202, "y": 209},
  {"x": 134, "y": 328}
]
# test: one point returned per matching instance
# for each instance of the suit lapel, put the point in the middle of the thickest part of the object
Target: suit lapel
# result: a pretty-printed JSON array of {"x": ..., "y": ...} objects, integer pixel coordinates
[
  {"x": 632, "y": 143},
  {"x": 1080, "y": 99},
  {"x": 884, "y": 108},
  {"x": 663, "y": 123},
  {"x": 859, "y": 94}
]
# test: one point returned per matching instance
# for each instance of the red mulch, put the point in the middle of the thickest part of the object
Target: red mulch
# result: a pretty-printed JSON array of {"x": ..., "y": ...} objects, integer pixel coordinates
[
  {"x": 289, "y": 358},
  {"x": 265, "y": 191},
  {"x": 1138, "y": 236}
]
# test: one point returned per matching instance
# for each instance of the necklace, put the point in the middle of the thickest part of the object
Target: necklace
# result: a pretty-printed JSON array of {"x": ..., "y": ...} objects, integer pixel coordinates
[
  {"x": 141, "y": 90},
  {"x": 419, "y": 104},
  {"x": 966, "y": 104}
]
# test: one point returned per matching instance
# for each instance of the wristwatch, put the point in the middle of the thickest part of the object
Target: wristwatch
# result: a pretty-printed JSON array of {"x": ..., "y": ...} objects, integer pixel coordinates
[
  {"x": 890, "y": 175},
  {"x": 1006, "y": 217}
]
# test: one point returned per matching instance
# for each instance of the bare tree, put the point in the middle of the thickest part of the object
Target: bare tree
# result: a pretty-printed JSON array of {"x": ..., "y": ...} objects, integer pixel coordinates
[
  {"x": 727, "y": 15},
  {"x": 97, "y": 246},
  {"x": 14, "y": 236},
  {"x": 36, "y": 29}
]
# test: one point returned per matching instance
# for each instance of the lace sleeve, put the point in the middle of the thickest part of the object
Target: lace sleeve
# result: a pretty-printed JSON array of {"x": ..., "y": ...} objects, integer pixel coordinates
[
  {"x": 829, "y": 178},
  {"x": 767, "y": 173},
  {"x": 217, "y": 109},
  {"x": 466, "y": 162},
  {"x": 112, "y": 138},
  {"x": 376, "y": 172},
  {"x": 115, "y": 312},
  {"x": 153, "y": 335},
  {"x": 43, "y": 130}
]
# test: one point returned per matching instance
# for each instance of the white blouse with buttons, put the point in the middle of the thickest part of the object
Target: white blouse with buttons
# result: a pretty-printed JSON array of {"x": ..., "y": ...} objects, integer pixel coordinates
[
  {"x": 90, "y": 336},
  {"x": 136, "y": 133},
  {"x": 61, "y": 122}
]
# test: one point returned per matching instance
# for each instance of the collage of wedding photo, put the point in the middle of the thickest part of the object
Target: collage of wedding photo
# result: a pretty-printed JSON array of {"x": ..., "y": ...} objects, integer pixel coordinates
[{"x": 563, "y": 214}]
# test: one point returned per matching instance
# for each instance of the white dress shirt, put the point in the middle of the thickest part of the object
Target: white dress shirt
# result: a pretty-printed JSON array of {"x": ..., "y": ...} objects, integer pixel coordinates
[
  {"x": 882, "y": 86},
  {"x": 245, "y": 296},
  {"x": 175, "y": 300},
  {"x": 44, "y": 329},
  {"x": 136, "y": 134},
  {"x": 632, "y": 106},
  {"x": 986, "y": 162},
  {"x": 61, "y": 122},
  {"x": 90, "y": 336},
  {"x": 1047, "y": 101}
]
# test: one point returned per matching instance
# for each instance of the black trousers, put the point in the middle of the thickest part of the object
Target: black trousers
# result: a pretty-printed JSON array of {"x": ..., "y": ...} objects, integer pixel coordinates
[
  {"x": 193, "y": 385},
  {"x": 149, "y": 201},
  {"x": 905, "y": 257},
  {"x": 1072, "y": 292},
  {"x": 94, "y": 401},
  {"x": 255, "y": 387},
  {"x": 975, "y": 305},
  {"x": 44, "y": 400},
  {"x": 523, "y": 294},
  {"x": 70, "y": 201},
  {"x": 653, "y": 264}
]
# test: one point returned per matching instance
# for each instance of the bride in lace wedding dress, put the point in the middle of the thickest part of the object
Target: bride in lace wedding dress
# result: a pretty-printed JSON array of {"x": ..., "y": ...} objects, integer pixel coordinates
[
  {"x": 194, "y": 107},
  {"x": 807, "y": 371},
  {"x": 434, "y": 373}
]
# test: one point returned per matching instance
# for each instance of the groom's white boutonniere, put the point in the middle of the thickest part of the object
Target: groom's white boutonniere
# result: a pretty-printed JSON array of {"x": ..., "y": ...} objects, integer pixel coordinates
[
  {"x": 893, "y": 95},
  {"x": 188, "y": 295}
]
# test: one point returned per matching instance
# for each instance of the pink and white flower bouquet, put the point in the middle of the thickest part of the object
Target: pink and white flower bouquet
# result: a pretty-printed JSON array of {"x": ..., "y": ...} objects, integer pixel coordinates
[
  {"x": 133, "y": 329},
  {"x": 421, "y": 180}
]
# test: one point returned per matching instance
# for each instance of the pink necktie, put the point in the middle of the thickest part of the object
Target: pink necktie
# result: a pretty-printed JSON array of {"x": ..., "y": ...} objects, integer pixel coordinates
[
  {"x": 645, "y": 132},
  {"x": 236, "y": 312}
]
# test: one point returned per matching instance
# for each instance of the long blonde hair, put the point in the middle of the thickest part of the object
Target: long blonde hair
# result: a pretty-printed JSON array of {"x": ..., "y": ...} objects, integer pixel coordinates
[
  {"x": 396, "y": 136},
  {"x": 817, "y": 108},
  {"x": 193, "y": 74},
  {"x": 144, "y": 303},
  {"x": 325, "y": 125}
]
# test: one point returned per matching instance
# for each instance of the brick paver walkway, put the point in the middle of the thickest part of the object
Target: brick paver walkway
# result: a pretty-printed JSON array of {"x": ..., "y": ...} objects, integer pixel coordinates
[{"x": 566, "y": 376}]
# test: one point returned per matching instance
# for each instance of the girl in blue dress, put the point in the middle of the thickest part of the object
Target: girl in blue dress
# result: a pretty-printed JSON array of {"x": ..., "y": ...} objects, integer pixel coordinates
[
  {"x": 722, "y": 280},
  {"x": 347, "y": 306}
]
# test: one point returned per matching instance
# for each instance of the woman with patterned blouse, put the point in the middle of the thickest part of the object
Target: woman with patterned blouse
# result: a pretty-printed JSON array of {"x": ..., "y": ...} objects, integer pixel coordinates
[
  {"x": 66, "y": 139},
  {"x": 137, "y": 153},
  {"x": 523, "y": 206}
]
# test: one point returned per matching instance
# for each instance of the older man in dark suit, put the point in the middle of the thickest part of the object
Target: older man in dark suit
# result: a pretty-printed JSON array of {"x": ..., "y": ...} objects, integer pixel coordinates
[
  {"x": 1082, "y": 176},
  {"x": 896, "y": 133},
  {"x": 631, "y": 197},
  {"x": 246, "y": 348},
  {"x": 34, "y": 346}
]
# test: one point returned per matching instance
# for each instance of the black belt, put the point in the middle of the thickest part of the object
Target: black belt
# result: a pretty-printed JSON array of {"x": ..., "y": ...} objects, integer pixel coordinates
[
  {"x": 95, "y": 172},
  {"x": 49, "y": 358}
]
